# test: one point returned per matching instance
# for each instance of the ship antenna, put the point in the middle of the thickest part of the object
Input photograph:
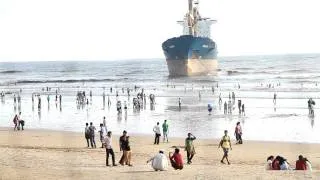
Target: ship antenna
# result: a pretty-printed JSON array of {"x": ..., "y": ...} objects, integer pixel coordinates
[{"x": 190, "y": 18}]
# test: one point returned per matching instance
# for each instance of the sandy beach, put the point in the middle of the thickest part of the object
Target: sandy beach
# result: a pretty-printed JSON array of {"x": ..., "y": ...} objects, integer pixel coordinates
[{"x": 42, "y": 154}]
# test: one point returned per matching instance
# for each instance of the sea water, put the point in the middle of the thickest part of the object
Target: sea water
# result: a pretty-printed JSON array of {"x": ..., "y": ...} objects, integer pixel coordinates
[{"x": 287, "y": 120}]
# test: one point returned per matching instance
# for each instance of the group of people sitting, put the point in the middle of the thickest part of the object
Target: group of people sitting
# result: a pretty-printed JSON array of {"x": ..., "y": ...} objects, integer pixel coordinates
[
  {"x": 160, "y": 161},
  {"x": 280, "y": 163}
]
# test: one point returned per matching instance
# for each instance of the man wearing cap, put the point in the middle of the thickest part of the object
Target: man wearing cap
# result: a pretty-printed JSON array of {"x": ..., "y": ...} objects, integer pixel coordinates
[{"x": 159, "y": 161}]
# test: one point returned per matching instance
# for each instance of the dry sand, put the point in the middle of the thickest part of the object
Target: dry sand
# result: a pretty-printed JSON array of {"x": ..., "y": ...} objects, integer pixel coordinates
[{"x": 40, "y": 154}]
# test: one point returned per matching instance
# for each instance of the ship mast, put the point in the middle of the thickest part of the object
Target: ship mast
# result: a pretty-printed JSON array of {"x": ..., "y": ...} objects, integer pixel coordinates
[{"x": 192, "y": 17}]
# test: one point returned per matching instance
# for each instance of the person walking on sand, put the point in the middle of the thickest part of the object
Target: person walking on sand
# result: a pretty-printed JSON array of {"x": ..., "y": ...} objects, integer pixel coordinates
[
  {"x": 15, "y": 121},
  {"x": 176, "y": 159},
  {"x": 92, "y": 132},
  {"x": 189, "y": 147},
  {"x": 122, "y": 145},
  {"x": 238, "y": 133},
  {"x": 109, "y": 150},
  {"x": 159, "y": 161},
  {"x": 165, "y": 130},
  {"x": 179, "y": 103},
  {"x": 156, "y": 130},
  {"x": 226, "y": 145},
  {"x": 274, "y": 98},
  {"x": 87, "y": 133}
]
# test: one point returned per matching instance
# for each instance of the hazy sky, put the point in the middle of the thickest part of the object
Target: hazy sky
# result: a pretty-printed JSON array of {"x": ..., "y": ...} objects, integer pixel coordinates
[{"x": 132, "y": 29}]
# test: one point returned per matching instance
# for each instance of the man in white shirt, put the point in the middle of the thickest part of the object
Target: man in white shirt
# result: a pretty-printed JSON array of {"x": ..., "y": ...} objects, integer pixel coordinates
[
  {"x": 159, "y": 162},
  {"x": 109, "y": 150},
  {"x": 156, "y": 130}
]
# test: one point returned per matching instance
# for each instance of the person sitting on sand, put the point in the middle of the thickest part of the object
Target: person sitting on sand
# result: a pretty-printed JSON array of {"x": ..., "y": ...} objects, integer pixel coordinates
[
  {"x": 284, "y": 165},
  {"x": 269, "y": 163},
  {"x": 301, "y": 163},
  {"x": 159, "y": 161},
  {"x": 308, "y": 164},
  {"x": 275, "y": 163},
  {"x": 176, "y": 159},
  {"x": 189, "y": 147},
  {"x": 225, "y": 144}
]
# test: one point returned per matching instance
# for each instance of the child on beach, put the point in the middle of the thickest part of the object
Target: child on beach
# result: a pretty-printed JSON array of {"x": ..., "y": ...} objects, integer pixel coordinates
[{"x": 226, "y": 145}]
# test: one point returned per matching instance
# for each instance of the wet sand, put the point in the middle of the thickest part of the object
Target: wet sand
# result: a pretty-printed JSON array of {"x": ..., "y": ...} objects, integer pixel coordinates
[{"x": 42, "y": 154}]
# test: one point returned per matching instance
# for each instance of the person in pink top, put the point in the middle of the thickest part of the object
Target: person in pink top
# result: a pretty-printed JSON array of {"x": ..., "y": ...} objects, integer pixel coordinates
[
  {"x": 238, "y": 133},
  {"x": 176, "y": 159}
]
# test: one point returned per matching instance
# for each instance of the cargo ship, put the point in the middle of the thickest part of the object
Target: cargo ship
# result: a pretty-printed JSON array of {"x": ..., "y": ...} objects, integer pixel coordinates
[{"x": 193, "y": 53}]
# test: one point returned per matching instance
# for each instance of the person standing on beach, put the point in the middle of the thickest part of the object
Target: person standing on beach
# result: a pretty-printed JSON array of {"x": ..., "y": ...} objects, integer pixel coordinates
[
  {"x": 15, "y": 121},
  {"x": 104, "y": 122},
  {"x": 109, "y": 150},
  {"x": 87, "y": 133},
  {"x": 189, "y": 147},
  {"x": 238, "y": 133},
  {"x": 122, "y": 145},
  {"x": 156, "y": 130},
  {"x": 225, "y": 107},
  {"x": 179, "y": 103},
  {"x": 102, "y": 133},
  {"x": 239, "y": 106},
  {"x": 243, "y": 112},
  {"x": 165, "y": 130},
  {"x": 274, "y": 98},
  {"x": 226, "y": 145},
  {"x": 92, "y": 132}
]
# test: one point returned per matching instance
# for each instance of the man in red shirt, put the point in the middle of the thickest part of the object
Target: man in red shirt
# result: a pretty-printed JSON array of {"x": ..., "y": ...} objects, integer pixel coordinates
[
  {"x": 176, "y": 159},
  {"x": 301, "y": 163}
]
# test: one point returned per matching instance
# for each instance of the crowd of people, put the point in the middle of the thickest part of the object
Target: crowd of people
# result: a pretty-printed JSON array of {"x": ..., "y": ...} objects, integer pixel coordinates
[{"x": 280, "y": 163}]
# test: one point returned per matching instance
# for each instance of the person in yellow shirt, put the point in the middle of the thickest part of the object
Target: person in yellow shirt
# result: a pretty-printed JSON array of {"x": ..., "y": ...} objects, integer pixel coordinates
[{"x": 226, "y": 145}]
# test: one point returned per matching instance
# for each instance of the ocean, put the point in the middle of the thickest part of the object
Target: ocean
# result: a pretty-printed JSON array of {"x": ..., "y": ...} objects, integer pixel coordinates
[{"x": 294, "y": 78}]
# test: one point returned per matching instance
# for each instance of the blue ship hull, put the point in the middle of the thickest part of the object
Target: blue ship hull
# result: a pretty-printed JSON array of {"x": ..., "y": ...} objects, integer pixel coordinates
[{"x": 189, "y": 55}]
